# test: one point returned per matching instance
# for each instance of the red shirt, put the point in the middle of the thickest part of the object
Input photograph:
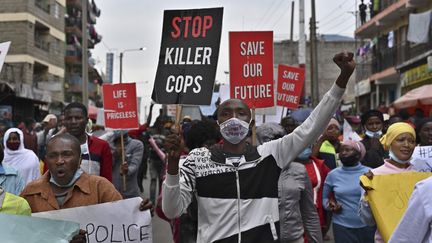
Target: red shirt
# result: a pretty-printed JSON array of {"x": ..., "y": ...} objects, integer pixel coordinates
[{"x": 323, "y": 171}]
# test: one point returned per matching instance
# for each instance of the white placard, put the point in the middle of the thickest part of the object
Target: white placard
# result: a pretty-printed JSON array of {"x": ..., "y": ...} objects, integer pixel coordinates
[
  {"x": 421, "y": 158},
  {"x": 4, "y": 47},
  {"x": 119, "y": 221},
  {"x": 349, "y": 133}
]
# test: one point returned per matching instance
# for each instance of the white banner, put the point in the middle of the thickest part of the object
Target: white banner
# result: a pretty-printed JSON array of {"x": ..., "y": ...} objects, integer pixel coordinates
[
  {"x": 421, "y": 158},
  {"x": 348, "y": 133},
  {"x": 26, "y": 229},
  {"x": 119, "y": 221},
  {"x": 4, "y": 47}
]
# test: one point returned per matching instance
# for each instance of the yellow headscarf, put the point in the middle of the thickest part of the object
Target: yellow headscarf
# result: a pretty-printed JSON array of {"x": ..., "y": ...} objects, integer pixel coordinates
[{"x": 395, "y": 130}]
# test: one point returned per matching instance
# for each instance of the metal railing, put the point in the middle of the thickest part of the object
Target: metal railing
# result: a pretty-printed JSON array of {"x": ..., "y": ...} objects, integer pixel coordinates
[
  {"x": 390, "y": 57},
  {"x": 41, "y": 44}
]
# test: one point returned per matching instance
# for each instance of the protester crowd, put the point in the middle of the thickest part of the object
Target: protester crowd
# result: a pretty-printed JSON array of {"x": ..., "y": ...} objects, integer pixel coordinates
[{"x": 298, "y": 182}]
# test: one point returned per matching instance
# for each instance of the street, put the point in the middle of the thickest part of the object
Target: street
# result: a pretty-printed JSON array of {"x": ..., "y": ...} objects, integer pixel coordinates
[{"x": 161, "y": 228}]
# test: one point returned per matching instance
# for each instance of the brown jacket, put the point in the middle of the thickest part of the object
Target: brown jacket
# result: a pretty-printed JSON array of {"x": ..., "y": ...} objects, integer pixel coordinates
[{"x": 88, "y": 190}]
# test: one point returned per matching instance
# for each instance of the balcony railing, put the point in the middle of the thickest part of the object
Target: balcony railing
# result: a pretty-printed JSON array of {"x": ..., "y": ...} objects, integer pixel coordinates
[
  {"x": 384, "y": 59},
  {"x": 383, "y": 4},
  {"x": 41, "y": 44}
]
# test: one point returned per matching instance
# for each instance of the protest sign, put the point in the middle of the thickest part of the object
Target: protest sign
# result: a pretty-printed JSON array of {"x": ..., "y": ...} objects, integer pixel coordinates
[
  {"x": 171, "y": 110},
  {"x": 251, "y": 67},
  {"x": 119, "y": 221},
  {"x": 421, "y": 158},
  {"x": 188, "y": 56},
  {"x": 120, "y": 106},
  {"x": 389, "y": 196},
  {"x": 26, "y": 229},
  {"x": 290, "y": 86},
  {"x": 349, "y": 133},
  {"x": 4, "y": 47}
]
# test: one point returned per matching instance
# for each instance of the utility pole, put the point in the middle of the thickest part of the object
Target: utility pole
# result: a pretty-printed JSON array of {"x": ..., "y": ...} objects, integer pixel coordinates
[
  {"x": 121, "y": 67},
  {"x": 314, "y": 58},
  {"x": 302, "y": 41},
  {"x": 84, "y": 56},
  {"x": 302, "y": 37},
  {"x": 292, "y": 21}
]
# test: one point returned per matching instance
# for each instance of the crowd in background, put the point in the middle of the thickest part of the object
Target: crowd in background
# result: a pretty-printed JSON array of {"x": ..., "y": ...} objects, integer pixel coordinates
[{"x": 319, "y": 190}]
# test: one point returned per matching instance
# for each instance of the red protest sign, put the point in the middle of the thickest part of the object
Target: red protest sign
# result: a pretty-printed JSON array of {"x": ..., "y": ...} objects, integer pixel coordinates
[
  {"x": 251, "y": 67},
  {"x": 120, "y": 105},
  {"x": 290, "y": 85}
]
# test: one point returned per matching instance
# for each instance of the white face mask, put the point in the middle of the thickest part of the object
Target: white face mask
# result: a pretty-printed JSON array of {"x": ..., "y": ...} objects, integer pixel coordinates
[
  {"x": 234, "y": 130},
  {"x": 396, "y": 159},
  {"x": 373, "y": 134}
]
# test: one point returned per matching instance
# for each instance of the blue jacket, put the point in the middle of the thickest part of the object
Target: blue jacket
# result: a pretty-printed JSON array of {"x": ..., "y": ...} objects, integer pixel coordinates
[{"x": 11, "y": 180}]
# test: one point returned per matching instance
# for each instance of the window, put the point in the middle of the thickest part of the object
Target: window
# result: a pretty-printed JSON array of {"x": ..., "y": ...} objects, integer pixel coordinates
[{"x": 57, "y": 10}]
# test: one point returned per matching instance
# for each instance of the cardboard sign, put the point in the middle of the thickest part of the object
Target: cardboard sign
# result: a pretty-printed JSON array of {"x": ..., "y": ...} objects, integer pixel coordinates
[
  {"x": 251, "y": 67},
  {"x": 389, "y": 196},
  {"x": 4, "y": 47},
  {"x": 26, "y": 229},
  {"x": 172, "y": 110},
  {"x": 349, "y": 133},
  {"x": 119, "y": 221},
  {"x": 188, "y": 56},
  {"x": 290, "y": 86},
  {"x": 120, "y": 106},
  {"x": 421, "y": 158}
]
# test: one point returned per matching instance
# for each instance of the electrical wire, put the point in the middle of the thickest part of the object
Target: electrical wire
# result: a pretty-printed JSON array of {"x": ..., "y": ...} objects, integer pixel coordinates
[
  {"x": 281, "y": 16},
  {"x": 265, "y": 20},
  {"x": 325, "y": 23}
]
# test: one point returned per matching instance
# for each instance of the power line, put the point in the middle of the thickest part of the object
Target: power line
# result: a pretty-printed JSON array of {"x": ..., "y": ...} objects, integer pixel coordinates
[
  {"x": 265, "y": 14},
  {"x": 337, "y": 17},
  {"x": 339, "y": 23},
  {"x": 280, "y": 17},
  {"x": 348, "y": 27},
  {"x": 270, "y": 17},
  {"x": 332, "y": 11}
]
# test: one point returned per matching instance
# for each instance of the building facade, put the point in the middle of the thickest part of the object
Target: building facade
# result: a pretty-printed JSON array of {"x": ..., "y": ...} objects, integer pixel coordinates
[
  {"x": 74, "y": 50},
  {"x": 286, "y": 52},
  {"x": 32, "y": 76},
  {"x": 396, "y": 44}
]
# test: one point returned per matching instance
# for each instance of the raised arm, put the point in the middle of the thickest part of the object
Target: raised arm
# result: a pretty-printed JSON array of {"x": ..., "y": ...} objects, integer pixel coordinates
[
  {"x": 177, "y": 188},
  {"x": 287, "y": 148}
]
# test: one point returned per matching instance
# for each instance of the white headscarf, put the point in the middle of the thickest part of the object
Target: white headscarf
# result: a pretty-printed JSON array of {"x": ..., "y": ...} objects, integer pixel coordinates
[{"x": 23, "y": 160}]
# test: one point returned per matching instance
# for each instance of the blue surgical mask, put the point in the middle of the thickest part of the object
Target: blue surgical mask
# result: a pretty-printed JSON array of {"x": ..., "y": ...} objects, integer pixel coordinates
[
  {"x": 373, "y": 134},
  {"x": 76, "y": 176},
  {"x": 305, "y": 154},
  {"x": 395, "y": 158}
]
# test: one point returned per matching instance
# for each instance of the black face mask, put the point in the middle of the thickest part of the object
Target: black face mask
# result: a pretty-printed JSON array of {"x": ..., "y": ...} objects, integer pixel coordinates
[{"x": 351, "y": 160}]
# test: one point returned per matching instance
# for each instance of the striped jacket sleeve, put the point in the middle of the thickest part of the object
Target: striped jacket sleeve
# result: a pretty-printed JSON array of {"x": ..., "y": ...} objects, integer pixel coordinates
[{"x": 176, "y": 198}]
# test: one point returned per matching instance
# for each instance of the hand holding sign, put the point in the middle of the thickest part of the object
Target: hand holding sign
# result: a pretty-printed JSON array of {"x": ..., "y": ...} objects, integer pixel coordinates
[
  {"x": 174, "y": 145},
  {"x": 79, "y": 238}
]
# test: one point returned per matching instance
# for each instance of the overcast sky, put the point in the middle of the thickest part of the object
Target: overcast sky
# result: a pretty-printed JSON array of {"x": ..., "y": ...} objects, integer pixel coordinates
[{"x": 130, "y": 24}]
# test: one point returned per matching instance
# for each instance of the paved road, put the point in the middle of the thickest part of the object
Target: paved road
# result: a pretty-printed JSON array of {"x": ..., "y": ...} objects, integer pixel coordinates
[{"x": 161, "y": 228}]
